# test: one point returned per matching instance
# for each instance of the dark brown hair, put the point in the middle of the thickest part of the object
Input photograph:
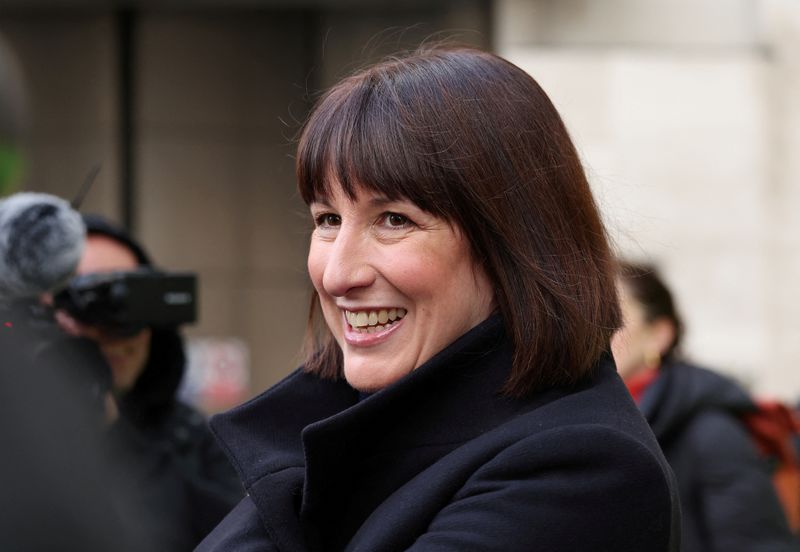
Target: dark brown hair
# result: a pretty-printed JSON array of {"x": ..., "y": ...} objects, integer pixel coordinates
[
  {"x": 646, "y": 287},
  {"x": 470, "y": 137}
]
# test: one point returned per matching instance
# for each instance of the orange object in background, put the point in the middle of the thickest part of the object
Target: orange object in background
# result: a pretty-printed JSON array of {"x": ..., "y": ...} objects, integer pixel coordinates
[{"x": 775, "y": 428}]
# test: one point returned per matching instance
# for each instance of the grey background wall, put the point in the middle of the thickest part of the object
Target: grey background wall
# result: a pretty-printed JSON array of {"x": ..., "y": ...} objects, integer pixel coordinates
[{"x": 217, "y": 94}]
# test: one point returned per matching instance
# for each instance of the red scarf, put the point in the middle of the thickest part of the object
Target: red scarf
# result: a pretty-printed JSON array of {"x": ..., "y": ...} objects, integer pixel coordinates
[{"x": 639, "y": 383}]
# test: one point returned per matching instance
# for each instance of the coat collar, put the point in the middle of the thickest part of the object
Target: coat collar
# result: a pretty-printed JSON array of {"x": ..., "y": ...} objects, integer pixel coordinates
[
  {"x": 338, "y": 446},
  {"x": 275, "y": 430}
]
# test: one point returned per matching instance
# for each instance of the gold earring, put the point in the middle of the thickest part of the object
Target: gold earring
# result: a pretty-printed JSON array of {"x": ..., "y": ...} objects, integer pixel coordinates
[{"x": 652, "y": 358}]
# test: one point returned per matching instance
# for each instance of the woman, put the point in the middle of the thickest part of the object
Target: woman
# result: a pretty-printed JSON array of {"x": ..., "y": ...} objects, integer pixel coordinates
[
  {"x": 727, "y": 497},
  {"x": 458, "y": 395}
]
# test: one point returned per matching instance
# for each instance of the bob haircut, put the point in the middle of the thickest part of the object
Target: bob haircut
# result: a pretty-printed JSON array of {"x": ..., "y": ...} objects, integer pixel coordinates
[{"x": 471, "y": 138}]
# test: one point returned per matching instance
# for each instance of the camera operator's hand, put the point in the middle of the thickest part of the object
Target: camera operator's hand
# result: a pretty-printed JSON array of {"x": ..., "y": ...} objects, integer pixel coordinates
[
  {"x": 112, "y": 410},
  {"x": 74, "y": 328},
  {"x": 68, "y": 324}
]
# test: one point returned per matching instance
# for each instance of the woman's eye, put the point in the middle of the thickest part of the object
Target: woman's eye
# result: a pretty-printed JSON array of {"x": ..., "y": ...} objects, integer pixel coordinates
[
  {"x": 327, "y": 220},
  {"x": 396, "y": 220}
]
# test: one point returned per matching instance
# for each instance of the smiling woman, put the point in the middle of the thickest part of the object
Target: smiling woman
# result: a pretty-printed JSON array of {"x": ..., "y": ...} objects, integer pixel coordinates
[{"x": 457, "y": 392}]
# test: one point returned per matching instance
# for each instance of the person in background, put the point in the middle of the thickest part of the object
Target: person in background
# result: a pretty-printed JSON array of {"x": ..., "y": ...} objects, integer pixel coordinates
[
  {"x": 728, "y": 501},
  {"x": 57, "y": 491},
  {"x": 460, "y": 394},
  {"x": 177, "y": 472}
]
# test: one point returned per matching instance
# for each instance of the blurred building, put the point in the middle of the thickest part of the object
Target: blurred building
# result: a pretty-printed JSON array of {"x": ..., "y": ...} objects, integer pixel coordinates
[
  {"x": 191, "y": 108},
  {"x": 686, "y": 113}
]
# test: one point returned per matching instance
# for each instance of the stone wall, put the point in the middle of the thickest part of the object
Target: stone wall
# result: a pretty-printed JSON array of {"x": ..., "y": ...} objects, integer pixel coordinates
[{"x": 687, "y": 115}]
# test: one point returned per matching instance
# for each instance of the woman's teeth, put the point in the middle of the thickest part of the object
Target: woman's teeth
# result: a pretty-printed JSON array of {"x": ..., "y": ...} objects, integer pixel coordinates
[{"x": 373, "y": 321}]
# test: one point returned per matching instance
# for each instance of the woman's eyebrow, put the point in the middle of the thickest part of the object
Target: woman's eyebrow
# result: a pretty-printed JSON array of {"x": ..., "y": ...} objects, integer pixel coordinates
[
  {"x": 320, "y": 203},
  {"x": 381, "y": 201}
]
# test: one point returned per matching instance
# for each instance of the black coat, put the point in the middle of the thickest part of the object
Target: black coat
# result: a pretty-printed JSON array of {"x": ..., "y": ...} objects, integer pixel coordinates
[
  {"x": 56, "y": 490},
  {"x": 727, "y": 498},
  {"x": 174, "y": 472},
  {"x": 441, "y": 461}
]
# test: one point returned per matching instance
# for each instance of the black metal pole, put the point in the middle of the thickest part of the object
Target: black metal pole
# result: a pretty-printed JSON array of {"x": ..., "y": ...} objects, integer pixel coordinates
[{"x": 126, "y": 56}]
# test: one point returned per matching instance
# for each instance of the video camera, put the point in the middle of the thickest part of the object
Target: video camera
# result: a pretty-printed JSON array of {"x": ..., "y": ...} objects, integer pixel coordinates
[{"x": 127, "y": 302}]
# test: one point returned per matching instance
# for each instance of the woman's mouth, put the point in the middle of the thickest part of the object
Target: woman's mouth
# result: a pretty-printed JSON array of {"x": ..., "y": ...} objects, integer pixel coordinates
[{"x": 371, "y": 321}]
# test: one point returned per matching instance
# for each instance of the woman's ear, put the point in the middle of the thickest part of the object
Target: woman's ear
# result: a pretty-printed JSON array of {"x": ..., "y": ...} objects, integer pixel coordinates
[{"x": 663, "y": 334}]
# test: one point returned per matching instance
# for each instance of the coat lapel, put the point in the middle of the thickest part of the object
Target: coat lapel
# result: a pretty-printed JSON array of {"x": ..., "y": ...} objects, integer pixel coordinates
[
  {"x": 358, "y": 457},
  {"x": 317, "y": 462},
  {"x": 262, "y": 439}
]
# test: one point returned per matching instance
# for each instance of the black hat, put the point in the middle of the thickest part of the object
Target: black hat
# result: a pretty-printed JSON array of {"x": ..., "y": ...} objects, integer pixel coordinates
[{"x": 99, "y": 225}]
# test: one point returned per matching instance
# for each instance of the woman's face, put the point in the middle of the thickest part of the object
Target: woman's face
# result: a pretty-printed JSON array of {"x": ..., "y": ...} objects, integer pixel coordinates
[
  {"x": 639, "y": 344},
  {"x": 396, "y": 284},
  {"x": 630, "y": 342}
]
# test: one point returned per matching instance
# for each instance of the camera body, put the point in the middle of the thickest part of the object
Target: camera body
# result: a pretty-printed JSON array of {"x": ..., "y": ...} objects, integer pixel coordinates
[{"x": 127, "y": 302}]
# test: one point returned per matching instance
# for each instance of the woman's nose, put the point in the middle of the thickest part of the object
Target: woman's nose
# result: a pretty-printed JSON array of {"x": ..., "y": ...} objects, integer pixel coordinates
[{"x": 348, "y": 265}]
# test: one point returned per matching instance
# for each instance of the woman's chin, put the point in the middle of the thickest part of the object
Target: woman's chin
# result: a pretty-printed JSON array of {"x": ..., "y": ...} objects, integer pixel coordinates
[{"x": 368, "y": 380}]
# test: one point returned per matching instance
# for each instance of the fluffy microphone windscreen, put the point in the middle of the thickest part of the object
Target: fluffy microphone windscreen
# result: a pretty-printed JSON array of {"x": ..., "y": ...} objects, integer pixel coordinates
[{"x": 41, "y": 242}]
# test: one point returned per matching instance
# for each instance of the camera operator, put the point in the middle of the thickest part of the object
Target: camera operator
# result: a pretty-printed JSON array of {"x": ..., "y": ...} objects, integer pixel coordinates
[
  {"x": 180, "y": 474},
  {"x": 56, "y": 492}
]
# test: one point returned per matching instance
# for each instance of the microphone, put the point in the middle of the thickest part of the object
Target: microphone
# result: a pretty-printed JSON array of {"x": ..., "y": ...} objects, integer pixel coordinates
[{"x": 41, "y": 242}]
